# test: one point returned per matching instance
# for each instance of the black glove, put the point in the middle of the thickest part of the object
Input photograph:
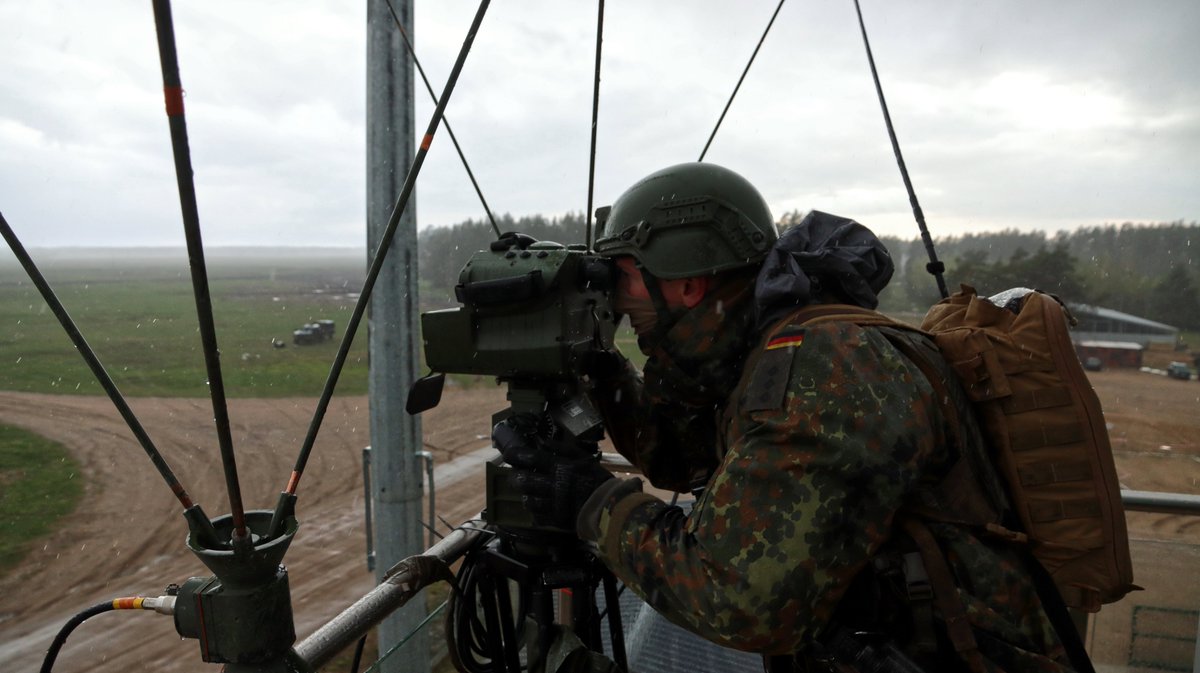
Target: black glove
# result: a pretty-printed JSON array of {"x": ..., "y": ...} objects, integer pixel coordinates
[
  {"x": 555, "y": 477},
  {"x": 602, "y": 365}
]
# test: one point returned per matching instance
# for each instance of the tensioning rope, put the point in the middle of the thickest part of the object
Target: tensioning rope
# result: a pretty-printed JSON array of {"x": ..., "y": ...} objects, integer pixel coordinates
[
  {"x": 285, "y": 508},
  {"x": 739, "y": 82},
  {"x": 200, "y": 523},
  {"x": 934, "y": 266},
  {"x": 587, "y": 235},
  {"x": 445, "y": 122}
]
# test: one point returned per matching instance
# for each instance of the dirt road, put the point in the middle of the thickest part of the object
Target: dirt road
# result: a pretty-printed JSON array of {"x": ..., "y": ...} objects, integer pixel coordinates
[{"x": 127, "y": 537}]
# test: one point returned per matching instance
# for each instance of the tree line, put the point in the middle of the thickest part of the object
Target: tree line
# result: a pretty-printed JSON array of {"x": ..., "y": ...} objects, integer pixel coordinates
[{"x": 1149, "y": 270}]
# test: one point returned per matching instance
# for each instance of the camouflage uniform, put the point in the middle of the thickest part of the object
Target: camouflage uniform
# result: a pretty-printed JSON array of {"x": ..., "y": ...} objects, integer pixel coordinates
[{"x": 810, "y": 439}]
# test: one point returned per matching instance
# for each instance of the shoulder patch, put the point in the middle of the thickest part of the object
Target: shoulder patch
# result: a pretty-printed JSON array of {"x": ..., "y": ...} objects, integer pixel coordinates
[
  {"x": 786, "y": 338},
  {"x": 769, "y": 381}
]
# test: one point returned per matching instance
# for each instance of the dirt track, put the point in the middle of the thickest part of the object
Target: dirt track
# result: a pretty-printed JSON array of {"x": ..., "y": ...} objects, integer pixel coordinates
[{"x": 127, "y": 537}]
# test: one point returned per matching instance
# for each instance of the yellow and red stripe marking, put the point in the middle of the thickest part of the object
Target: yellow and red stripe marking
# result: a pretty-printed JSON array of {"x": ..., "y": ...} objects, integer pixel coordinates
[
  {"x": 128, "y": 603},
  {"x": 785, "y": 341}
]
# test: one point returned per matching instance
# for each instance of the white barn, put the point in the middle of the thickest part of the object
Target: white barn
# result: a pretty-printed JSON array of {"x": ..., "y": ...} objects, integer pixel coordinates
[{"x": 1104, "y": 324}]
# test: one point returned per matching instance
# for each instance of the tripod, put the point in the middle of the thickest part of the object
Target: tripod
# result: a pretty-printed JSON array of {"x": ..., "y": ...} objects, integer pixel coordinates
[{"x": 487, "y": 632}]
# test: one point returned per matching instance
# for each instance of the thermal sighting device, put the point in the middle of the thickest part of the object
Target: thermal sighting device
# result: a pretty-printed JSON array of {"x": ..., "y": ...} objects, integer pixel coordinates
[{"x": 532, "y": 313}]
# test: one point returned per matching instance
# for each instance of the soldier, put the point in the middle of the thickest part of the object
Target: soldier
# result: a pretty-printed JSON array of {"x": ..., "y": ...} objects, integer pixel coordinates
[{"x": 815, "y": 444}]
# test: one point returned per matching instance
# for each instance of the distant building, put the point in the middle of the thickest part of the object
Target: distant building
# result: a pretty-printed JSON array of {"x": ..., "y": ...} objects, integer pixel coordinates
[
  {"x": 1104, "y": 324},
  {"x": 1111, "y": 354}
]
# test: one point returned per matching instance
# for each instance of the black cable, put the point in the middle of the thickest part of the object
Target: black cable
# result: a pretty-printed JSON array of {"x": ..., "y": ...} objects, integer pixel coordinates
[
  {"x": 287, "y": 498},
  {"x": 739, "y": 82},
  {"x": 472, "y": 645},
  {"x": 173, "y": 92},
  {"x": 61, "y": 638},
  {"x": 934, "y": 267},
  {"x": 464, "y": 633},
  {"x": 449, "y": 131},
  {"x": 358, "y": 652},
  {"x": 587, "y": 236}
]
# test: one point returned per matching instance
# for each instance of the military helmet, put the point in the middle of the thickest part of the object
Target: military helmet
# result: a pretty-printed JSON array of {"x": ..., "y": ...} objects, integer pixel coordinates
[{"x": 688, "y": 220}]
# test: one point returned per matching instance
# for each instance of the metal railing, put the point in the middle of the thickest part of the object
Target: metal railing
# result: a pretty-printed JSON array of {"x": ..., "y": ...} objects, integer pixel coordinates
[{"x": 407, "y": 578}]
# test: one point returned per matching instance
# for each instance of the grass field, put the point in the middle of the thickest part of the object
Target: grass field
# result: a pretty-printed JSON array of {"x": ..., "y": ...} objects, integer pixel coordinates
[
  {"x": 39, "y": 483},
  {"x": 139, "y": 316}
]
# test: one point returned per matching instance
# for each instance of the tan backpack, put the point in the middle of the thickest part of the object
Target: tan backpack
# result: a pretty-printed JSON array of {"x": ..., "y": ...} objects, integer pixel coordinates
[
  {"x": 1047, "y": 434},
  {"x": 1042, "y": 420}
]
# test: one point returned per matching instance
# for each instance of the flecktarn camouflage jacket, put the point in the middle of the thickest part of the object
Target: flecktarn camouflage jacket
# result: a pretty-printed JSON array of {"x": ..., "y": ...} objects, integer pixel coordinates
[{"x": 828, "y": 433}]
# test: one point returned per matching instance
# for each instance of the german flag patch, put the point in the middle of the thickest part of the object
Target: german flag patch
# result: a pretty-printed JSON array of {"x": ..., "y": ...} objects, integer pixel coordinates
[{"x": 786, "y": 339}]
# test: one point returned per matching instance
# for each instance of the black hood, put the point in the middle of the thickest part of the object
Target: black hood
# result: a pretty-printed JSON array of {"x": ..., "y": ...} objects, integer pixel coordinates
[{"x": 823, "y": 255}]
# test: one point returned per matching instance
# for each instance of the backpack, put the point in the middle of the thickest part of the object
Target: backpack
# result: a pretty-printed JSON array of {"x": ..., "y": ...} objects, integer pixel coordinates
[
  {"x": 1047, "y": 438},
  {"x": 1046, "y": 432}
]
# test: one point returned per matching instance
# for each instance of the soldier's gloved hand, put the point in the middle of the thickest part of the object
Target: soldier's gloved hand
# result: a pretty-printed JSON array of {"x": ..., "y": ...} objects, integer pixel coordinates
[
  {"x": 602, "y": 365},
  {"x": 554, "y": 478}
]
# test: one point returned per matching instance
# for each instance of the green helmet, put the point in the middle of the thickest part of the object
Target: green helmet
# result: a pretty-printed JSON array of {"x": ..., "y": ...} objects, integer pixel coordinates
[{"x": 688, "y": 220}]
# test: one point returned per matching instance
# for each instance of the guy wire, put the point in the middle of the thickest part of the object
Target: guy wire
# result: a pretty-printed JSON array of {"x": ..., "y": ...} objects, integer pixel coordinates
[
  {"x": 449, "y": 131},
  {"x": 934, "y": 266},
  {"x": 93, "y": 362},
  {"x": 739, "y": 82},
  {"x": 587, "y": 236},
  {"x": 373, "y": 274}
]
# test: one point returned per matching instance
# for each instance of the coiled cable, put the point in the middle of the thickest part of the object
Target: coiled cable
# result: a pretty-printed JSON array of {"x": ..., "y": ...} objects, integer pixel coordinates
[{"x": 471, "y": 634}]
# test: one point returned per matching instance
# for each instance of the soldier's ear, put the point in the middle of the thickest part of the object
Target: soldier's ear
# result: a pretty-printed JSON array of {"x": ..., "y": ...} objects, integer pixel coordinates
[{"x": 693, "y": 290}]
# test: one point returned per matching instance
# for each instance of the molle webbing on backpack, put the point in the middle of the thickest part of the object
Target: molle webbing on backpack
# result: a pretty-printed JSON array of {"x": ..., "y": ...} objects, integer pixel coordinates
[{"x": 1047, "y": 435}]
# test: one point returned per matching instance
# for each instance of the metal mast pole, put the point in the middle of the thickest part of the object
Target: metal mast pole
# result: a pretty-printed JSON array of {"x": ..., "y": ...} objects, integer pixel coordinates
[{"x": 392, "y": 322}]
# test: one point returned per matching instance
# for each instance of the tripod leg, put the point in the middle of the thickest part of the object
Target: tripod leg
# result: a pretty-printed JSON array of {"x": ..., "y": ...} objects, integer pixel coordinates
[
  {"x": 587, "y": 618},
  {"x": 543, "y": 615},
  {"x": 512, "y": 645},
  {"x": 491, "y": 617},
  {"x": 612, "y": 606}
]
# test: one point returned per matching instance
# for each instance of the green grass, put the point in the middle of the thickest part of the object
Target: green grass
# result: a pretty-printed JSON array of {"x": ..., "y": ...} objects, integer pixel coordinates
[
  {"x": 141, "y": 322},
  {"x": 626, "y": 342},
  {"x": 39, "y": 483},
  {"x": 140, "y": 319},
  {"x": 1192, "y": 339}
]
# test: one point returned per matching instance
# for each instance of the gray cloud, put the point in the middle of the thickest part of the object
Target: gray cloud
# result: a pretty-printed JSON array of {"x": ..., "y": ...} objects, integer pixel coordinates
[{"x": 1017, "y": 114}]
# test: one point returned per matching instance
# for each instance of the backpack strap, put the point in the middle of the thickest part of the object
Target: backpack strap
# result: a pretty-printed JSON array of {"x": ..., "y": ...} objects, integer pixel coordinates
[
  {"x": 945, "y": 594},
  {"x": 958, "y": 486},
  {"x": 960, "y": 481},
  {"x": 816, "y": 314}
]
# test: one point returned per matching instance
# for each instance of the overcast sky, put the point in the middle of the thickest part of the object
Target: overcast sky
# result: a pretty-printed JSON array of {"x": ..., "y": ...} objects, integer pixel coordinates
[{"x": 1017, "y": 113}]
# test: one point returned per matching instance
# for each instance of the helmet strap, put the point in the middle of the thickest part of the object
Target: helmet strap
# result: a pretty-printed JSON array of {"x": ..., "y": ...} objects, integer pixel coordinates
[{"x": 665, "y": 318}]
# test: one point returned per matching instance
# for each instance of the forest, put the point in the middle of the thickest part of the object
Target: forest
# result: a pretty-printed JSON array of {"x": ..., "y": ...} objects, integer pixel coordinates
[{"x": 1149, "y": 269}]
